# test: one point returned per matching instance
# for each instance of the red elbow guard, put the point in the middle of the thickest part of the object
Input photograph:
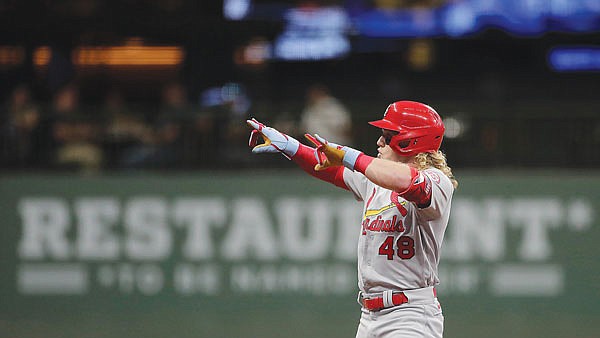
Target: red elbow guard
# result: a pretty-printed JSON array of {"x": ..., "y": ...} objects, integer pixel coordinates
[{"x": 419, "y": 190}]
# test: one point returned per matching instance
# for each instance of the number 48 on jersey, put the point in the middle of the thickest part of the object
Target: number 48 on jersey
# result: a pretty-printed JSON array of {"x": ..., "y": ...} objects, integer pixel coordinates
[{"x": 405, "y": 247}]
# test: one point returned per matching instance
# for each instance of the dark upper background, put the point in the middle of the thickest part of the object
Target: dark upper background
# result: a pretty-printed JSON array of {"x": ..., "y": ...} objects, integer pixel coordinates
[{"x": 512, "y": 109}]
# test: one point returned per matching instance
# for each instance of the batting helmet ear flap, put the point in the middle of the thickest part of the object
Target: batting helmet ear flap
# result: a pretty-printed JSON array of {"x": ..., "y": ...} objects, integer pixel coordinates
[{"x": 419, "y": 127}]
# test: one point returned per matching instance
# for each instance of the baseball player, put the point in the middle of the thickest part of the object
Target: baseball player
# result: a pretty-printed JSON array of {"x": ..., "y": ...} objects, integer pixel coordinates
[{"x": 406, "y": 193}]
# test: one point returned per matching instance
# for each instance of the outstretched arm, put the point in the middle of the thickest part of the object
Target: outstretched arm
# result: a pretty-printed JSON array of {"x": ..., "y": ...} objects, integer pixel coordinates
[
  {"x": 391, "y": 175},
  {"x": 306, "y": 159},
  {"x": 304, "y": 156}
]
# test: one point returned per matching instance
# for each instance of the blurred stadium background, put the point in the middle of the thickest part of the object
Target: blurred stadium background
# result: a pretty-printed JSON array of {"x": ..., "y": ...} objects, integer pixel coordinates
[{"x": 132, "y": 207}]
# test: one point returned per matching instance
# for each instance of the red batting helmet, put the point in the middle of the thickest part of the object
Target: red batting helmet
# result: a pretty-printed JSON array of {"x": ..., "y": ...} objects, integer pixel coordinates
[{"x": 420, "y": 128}]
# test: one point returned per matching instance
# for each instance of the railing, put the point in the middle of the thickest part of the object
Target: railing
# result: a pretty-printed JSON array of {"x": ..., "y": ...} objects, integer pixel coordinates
[{"x": 478, "y": 135}]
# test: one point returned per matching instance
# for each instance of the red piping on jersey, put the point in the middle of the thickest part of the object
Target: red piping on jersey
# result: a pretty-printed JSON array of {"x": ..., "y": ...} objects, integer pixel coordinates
[
  {"x": 305, "y": 158},
  {"x": 370, "y": 198}
]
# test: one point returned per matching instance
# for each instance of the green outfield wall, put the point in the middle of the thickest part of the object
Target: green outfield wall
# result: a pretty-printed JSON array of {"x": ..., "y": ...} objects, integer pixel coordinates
[{"x": 274, "y": 255}]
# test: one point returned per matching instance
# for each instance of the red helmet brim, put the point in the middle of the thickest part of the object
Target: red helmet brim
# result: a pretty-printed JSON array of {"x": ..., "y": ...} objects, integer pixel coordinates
[{"x": 385, "y": 124}]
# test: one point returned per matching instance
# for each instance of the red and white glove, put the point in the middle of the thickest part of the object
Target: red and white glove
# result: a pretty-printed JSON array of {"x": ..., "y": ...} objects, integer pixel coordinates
[
  {"x": 274, "y": 140},
  {"x": 332, "y": 155}
]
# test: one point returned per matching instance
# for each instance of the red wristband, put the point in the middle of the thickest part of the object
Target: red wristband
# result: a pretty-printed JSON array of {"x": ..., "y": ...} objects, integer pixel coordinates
[{"x": 362, "y": 162}]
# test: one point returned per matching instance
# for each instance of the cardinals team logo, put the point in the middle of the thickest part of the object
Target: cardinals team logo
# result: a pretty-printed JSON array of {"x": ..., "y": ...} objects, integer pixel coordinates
[
  {"x": 373, "y": 219},
  {"x": 434, "y": 176}
]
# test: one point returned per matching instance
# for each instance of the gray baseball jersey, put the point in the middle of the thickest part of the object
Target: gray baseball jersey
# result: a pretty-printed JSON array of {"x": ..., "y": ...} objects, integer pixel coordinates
[{"x": 399, "y": 245}]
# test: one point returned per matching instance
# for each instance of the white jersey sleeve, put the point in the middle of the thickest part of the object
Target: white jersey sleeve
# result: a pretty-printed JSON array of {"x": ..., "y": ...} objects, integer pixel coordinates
[
  {"x": 441, "y": 194},
  {"x": 357, "y": 183}
]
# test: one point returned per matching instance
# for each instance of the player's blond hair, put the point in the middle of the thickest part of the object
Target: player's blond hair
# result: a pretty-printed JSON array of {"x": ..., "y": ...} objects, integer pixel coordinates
[{"x": 435, "y": 160}]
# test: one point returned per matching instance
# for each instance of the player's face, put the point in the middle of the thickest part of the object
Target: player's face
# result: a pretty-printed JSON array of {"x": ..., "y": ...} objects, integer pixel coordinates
[{"x": 384, "y": 151}]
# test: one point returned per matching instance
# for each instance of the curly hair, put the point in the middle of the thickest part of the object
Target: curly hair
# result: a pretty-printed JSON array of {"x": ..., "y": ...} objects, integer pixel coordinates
[{"x": 435, "y": 160}]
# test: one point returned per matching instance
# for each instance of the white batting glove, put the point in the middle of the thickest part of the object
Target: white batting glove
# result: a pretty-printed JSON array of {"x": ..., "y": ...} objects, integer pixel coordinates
[
  {"x": 274, "y": 140},
  {"x": 330, "y": 154}
]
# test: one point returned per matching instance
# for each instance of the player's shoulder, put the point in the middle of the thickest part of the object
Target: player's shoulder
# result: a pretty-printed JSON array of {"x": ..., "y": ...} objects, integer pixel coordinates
[{"x": 437, "y": 176}]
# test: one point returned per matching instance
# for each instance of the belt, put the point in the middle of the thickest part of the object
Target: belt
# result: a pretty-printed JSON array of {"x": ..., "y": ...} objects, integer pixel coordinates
[
  {"x": 391, "y": 298},
  {"x": 388, "y": 299}
]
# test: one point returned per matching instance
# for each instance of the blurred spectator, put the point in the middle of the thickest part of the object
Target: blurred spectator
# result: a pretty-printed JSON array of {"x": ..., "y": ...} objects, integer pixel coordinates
[
  {"x": 125, "y": 131},
  {"x": 74, "y": 133},
  {"x": 229, "y": 105},
  {"x": 173, "y": 141},
  {"x": 203, "y": 139},
  {"x": 236, "y": 106},
  {"x": 19, "y": 130},
  {"x": 325, "y": 115},
  {"x": 169, "y": 133}
]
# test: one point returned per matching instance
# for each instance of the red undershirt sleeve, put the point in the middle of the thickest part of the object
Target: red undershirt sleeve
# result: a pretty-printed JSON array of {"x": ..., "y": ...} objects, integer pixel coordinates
[{"x": 305, "y": 158}]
